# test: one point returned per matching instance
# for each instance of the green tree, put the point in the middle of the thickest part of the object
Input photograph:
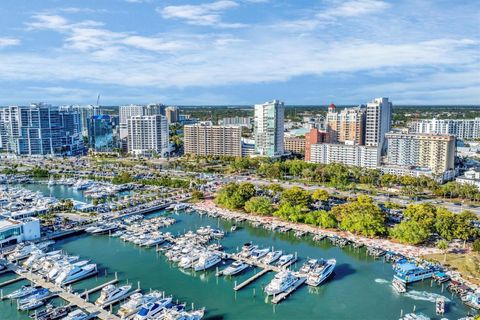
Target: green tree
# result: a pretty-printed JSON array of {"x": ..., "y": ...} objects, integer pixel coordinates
[
  {"x": 443, "y": 245},
  {"x": 326, "y": 219},
  {"x": 464, "y": 228},
  {"x": 259, "y": 205},
  {"x": 476, "y": 245},
  {"x": 295, "y": 196},
  {"x": 320, "y": 195},
  {"x": 290, "y": 212},
  {"x": 197, "y": 195},
  {"x": 445, "y": 224},
  {"x": 361, "y": 216},
  {"x": 411, "y": 232}
]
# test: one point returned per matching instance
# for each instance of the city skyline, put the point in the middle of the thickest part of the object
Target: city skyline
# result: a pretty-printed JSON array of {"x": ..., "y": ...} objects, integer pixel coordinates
[{"x": 239, "y": 52}]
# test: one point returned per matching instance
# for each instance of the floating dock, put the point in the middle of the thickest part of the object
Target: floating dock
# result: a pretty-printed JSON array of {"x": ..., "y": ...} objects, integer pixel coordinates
[
  {"x": 86, "y": 293},
  {"x": 251, "y": 279},
  {"x": 6, "y": 283}
]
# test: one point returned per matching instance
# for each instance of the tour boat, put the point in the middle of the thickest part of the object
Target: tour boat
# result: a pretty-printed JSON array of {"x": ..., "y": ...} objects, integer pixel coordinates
[{"x": 408, "y": 272}]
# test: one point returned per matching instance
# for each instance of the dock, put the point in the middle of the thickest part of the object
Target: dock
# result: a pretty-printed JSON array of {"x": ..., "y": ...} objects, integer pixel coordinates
[
  {"x": 6, "y": 283},
  {"x": 251, "y": 279},
  {"x": 282, "y": 296},
  {"x": 86, "y": 293},
  {"x": 74, "y": 299}
]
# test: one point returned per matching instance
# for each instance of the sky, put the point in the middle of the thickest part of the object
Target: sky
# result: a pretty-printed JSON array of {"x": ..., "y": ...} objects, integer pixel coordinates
[{"x": 200, "y": 52}]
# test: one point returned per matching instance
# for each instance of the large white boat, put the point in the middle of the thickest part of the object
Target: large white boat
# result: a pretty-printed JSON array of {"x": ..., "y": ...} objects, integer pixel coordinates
[
  {"x": 272, "y": 257},
  {"x": 309, "y": 265},
  {"x": 77, "y": 315},
  {"x": 136, "y": 301},
  {"x": 75, "y": 274},
  {"x": 111, "y": 293},
  {"x": 321, "y": 272},
  {"x": 151, "y": 309},
  {"x": 283, "y": 260},
  {"x": 206, "y": 261},
  {"x": 82, "y": 184},
  {"x": 235, "y": 268},
  {"x": 281, "y": 282},
  {"x": 59, "y": 267},
  {"x": 257, "y": 254},
  {"x": 22, "y": 292}
]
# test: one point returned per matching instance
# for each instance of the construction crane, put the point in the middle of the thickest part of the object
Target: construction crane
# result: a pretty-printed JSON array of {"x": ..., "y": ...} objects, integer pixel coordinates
[{"x": 98, "y": 99}]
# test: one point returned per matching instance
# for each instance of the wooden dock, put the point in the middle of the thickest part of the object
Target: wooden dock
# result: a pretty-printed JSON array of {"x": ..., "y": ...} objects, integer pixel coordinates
[{"x": 282, "y": 296}]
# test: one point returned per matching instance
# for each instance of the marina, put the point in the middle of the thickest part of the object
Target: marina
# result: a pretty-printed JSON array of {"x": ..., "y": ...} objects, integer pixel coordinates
[{"x": 241, "y": 295}]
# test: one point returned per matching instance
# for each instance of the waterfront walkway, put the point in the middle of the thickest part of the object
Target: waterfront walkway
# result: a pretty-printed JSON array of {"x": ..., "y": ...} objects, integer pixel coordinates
[{"x": 74, "y": 299}]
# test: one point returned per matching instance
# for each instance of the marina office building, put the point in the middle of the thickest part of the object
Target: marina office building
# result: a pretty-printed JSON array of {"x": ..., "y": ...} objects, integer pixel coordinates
[{"x": 16, "y": 231}]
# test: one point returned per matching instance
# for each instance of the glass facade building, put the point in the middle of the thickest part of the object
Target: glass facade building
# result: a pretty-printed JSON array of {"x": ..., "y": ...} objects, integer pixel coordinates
[{"x": 101, "y": 133}]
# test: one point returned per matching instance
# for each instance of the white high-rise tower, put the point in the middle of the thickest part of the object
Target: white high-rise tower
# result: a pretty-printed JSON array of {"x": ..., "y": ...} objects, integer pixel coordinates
[
  {"x": 378, "y": 123},
  {"x": 269, "y": 128}
]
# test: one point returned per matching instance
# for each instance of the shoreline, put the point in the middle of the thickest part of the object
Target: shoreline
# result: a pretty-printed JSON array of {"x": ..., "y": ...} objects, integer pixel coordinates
[{"x": 408, "y": 251}]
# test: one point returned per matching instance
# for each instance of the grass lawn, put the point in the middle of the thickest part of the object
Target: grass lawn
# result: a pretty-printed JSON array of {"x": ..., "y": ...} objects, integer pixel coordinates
[{"x": 467, "y": 264}]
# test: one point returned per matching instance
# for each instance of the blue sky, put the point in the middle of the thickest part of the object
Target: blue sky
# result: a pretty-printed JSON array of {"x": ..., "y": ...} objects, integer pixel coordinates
[{"x": 239, "y": 51}]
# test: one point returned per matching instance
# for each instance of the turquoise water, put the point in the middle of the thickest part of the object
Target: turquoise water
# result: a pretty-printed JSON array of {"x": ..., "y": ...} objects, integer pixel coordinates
[
  {"x": 360, "y": 288},
  {"x": 57, "y": 191}
]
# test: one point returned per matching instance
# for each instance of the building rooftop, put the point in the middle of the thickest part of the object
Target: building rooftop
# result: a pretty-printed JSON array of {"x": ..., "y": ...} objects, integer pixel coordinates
[{"x": 7, "y": 223}]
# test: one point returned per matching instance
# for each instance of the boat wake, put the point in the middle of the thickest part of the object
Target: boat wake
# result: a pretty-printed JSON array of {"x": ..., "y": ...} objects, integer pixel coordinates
[
  {"x": 382, "y": 281},
  {"x": 424, "y": 296}
]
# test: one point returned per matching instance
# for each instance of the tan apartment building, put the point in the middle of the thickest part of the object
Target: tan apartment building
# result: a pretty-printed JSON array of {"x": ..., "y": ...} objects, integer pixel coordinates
[
  {"x": 433, "y": 151},
  {"x": 208, "y": 140},
  {"x": 294, "y": 144},
  {"x": 346, "y": 125}
]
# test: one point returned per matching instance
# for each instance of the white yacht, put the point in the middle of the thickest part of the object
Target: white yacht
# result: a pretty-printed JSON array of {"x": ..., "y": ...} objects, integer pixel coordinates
[
  {"x": 188, "y": 261},
  {"x": 111, "y": 293},
  {"x": 59, "y": 267},
  {"x": 151, "y": 309},
  {"x": 235, "y": 268},
  {"x": 257, "y": 254},
  {"x": 24, "y": 291},
  {"x": 281, "y": 282},
  {"x": 206, "y": 261},
  {"x": 309, "y": 265},
  {"x": 136, "y": 301},
  {"x": 75, "y": 274},
  {"x": 77, "y": 315},
  {"x": 283, "y": 260},
  {"x": 321, "y": 272},
  {"x": 272, "y": 257}
]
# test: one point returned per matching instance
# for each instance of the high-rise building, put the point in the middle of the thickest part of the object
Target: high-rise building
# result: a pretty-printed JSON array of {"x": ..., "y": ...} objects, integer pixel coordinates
[
  {"x": 464, "y": 129},
  {"x": 237, "y": 121},
  {"x": 314, "y": 136},
  {"x": 85, "y": 112},
  {"x": 433, "y": 151},
  {"x": 294, "y": 144},
  {"x": 172, "y": 114},
  {"x": 346, "y": 125},
  {"x": 269, "y": 128},
  {"x": 378, "y": 123},
  {"x": 40, "y": 129},
  {"x": 205, "y": 139},
  {"x": 125, "y": 112},
  {"x": 348, "y": 154},
  {"x": 3, "y": 130},
  {"x": 148, "y": 135},
  {"x": 100, "y": 133}
]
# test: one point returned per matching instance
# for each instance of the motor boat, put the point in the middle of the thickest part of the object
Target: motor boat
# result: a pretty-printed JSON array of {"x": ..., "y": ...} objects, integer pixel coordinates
[
  {"x": 151, "y": 309},
  {"x": 399, "y": 286},
  {"x": 308, "y": 266},
  {"x": 321, "y": 272},
  {"x": 75, "y": 274},
  {"x": 77, "y": 315},
  {"x": 207, "y": 261},
  {"x": 257, "y": 254},
  {"x": 280, "y": 283},
  {"x": 235, "y": 268},
  {"x": 272, "y": 257},
  {"x": 22, "y": 292},
  {"x": 39, "y": 294},
  {"x": 111, "y": 293},
  {"x": 284, "y": 259},
  {"x": 136, "y": 301},
  {"x": 51, "y": 313}
]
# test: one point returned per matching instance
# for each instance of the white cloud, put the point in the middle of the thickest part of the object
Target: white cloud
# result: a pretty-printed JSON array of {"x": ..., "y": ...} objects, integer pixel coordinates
[
  {"x": 48, "y": 21},
  {"x": 8, "y": 42},
  {"x": 207, "y": 14},
  {"x": 354, "y": 8}
]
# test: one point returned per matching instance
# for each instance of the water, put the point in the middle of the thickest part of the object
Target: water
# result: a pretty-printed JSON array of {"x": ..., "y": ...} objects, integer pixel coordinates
[{"x": 360, "y": 289}]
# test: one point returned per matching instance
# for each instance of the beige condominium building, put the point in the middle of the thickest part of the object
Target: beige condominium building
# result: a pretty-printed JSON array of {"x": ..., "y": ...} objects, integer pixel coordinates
[
  {"x": 205, "y": 139},
  {"x": 294, "y": 144},
  {"x": 433, "y": 151},
  {"x": 346, "y": 125}
]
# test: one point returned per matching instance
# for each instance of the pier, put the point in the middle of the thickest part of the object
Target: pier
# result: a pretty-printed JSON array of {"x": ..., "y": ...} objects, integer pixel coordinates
[
  {"x": 74, "y": 299},
  {"x": 86, "y": 293},
  {"x": 251, "y": 279},
  {"x": 282, "y": 296},
  {"x": 6, "y": 283}
]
